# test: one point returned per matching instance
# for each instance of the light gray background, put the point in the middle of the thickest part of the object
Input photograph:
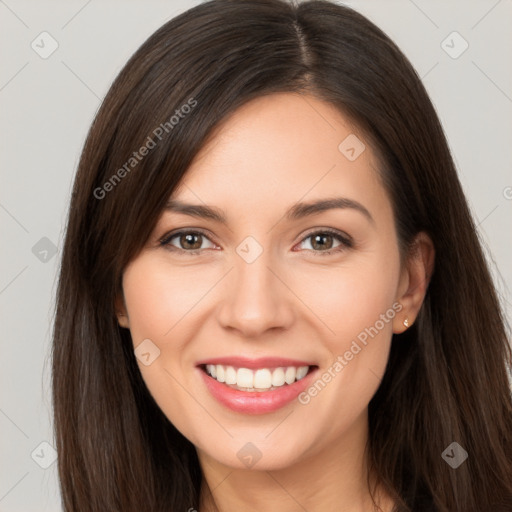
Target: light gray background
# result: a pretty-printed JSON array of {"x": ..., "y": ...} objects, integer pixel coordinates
[{"x": 47, "y": 107}]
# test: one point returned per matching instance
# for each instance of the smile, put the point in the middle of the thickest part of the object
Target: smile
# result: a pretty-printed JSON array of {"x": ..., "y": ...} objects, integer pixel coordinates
[{"x": 255, "y": 386}]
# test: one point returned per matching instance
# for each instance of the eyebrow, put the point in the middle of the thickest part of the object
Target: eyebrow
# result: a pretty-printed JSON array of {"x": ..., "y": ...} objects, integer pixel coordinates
[{"x": 297, "y": 211}]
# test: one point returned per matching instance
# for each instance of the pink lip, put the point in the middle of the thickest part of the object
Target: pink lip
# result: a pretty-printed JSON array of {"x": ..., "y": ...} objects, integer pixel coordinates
[
  {"x": 262, "y": 362},
  {"x": 256, "y": 402}
]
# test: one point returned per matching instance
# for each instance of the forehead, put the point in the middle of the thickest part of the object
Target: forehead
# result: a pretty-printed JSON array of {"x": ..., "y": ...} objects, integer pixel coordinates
[{"x": 280, "y": 149}]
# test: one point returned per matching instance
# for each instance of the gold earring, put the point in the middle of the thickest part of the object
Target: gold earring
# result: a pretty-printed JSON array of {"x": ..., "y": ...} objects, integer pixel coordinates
[{"x": 406, "y": 322}]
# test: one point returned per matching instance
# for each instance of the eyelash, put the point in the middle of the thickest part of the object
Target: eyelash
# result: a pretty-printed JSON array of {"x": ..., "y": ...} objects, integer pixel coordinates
[{"x": 346, "y": 241}]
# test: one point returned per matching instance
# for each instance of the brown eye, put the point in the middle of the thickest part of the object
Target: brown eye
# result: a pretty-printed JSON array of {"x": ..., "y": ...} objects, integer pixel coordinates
[
  {"x": 190, "y": 241},
  {"x": 187, "y": 241},
  {"x": 322, "y": 242}
]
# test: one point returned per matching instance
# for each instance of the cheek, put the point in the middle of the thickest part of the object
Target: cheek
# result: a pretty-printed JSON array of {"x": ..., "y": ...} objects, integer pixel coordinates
[
  {"x": 355, "y": 306},
  {"x": 351, "y": 298},
  {"x": 159, "y": 305},
  {"x": 158, "y": 298}
]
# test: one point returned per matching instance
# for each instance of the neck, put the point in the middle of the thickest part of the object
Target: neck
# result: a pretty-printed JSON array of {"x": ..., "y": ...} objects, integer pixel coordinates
[{"x": 332, "y": 477}]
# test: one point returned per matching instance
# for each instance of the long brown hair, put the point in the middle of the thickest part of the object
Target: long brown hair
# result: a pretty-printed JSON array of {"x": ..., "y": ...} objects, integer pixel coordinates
[{"x": 446, "y": 378}]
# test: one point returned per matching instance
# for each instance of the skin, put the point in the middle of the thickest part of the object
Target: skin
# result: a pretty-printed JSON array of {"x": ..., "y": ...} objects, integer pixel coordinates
[{"x": 291, "y": 301}]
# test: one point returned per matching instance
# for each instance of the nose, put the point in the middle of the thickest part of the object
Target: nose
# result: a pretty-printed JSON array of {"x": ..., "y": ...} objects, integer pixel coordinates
[{"x": 256, "y": 297}]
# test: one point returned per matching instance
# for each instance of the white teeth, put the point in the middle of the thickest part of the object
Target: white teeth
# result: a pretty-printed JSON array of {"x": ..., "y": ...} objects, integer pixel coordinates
[
  {"x": 289, "y": 375},
  {"x": 302, "y": 371},
  {"x": 230, "y": 375},
  {"x": 245, "y": 378},
  {"x": 263, "y": 378},
  {"x": 278, "y": 377},
  {"x": 212, "y": 370}
]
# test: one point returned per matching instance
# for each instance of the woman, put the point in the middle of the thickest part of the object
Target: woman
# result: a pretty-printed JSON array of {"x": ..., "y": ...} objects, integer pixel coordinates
[{"x": 272, "y": 293}]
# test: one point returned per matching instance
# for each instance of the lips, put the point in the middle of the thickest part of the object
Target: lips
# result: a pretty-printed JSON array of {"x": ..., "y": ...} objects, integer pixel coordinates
[{"x": 256, "y": 386}]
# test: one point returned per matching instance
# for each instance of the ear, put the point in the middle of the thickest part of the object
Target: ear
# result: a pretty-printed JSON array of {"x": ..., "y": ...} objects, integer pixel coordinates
[
  {"x": 414, "y": 281},
  {"x": 121, "y": 312}
]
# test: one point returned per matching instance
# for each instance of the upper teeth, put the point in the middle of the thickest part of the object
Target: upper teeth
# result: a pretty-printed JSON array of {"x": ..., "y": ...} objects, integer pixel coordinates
[{"x": 262, "y": 378}]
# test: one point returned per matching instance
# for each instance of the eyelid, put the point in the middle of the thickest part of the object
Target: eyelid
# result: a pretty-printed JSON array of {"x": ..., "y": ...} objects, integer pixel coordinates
[
  {"x": 180, "y": 231},
  {"x": 346, "y": 241}
]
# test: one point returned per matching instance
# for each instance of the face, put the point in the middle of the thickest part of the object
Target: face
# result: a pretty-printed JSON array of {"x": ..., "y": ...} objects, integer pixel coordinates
[{"x": 270, "y": 287}]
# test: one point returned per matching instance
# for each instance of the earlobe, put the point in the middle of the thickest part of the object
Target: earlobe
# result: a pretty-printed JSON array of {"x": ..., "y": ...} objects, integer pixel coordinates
[
  {"x": 122, "y": 320},
  {"x": 417, "y": 273},
  {"x": 121, "y": 313}
]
